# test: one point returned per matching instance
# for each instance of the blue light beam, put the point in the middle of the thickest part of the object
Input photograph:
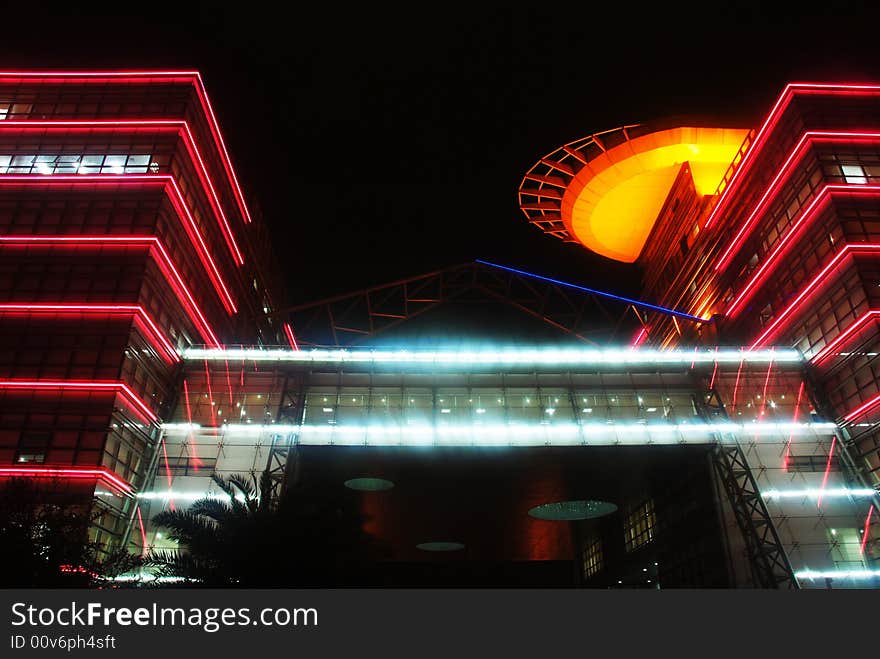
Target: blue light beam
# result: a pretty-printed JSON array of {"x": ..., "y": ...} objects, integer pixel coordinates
[{"x": 620, "y": 298}]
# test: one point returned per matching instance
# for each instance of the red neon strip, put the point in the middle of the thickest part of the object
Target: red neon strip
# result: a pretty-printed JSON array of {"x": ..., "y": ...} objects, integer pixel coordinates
[
  {"x": 143, "y": 530},
  {"x": 864, "y": 407},
  {"x": 210, "y": 395},
  {"x": 229, "y": 386},
  {"x": 714, "y": 372},
  {"x": 867, "y": 529},
  {"x": 147, "y": 326},
  {"x": 119, "y": 388},
  {"x": 183, "y": 130},
  {"x": 167, "y": 473},
  {"x": 217, "y": 278},
  {"x": 794, "y": 418},
  {"x": 192, "y": 443},
  {"x": 736, "y": 385},
  {"x": 805, "y": 219},
  {"x": 637, "y": 341},
  {"x": 139, "y": 76},
  {"x": 816, "y": 283},
  {"x": 794, "y": 159},
  {"x": 290, "y": 337},
  {"x": 166, "y": 265},
  {"x": 218, "y": 138},
  {"x": 100, "y": 473},
  {"x": 764, "y": 391},
  {"x": 770, "y": 122},
  {"x": 174, "y": 195},
  {"x": 841, "y": 338},
  {"x": 827, "y": 471},
  {"x": 215, "y": 201}
]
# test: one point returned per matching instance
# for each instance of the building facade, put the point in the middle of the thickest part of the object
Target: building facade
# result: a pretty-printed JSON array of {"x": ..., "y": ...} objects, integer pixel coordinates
[
  {"x": 131, "y": 263},
  {"x": 124, "y": 237}
]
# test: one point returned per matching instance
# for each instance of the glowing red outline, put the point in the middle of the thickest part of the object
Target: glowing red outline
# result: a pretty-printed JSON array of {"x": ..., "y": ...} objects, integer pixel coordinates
[
  {"x": 770, "y": 122},
  {"x": 104, "y": 180},
  {"x": 159, "y": 254},
  {"x": 798, "y": 153},
  {"x": 815, "y": 283},
  {"x": 852, "y": 328},
  {"x": 138, "y": 76},
  {"x": 827, "y": 471},
  {"x": 861, "y": 409},
  {"x": 98, "y": 473},
  {"x": 120, "y": 388},
  {"x": 867, "y": 529},
  {"x": 806, "y": 217},
  {"x": 288, "y": 331},
  {"x": 183, "y": 131},
  {"x": 148, "y": 327}
]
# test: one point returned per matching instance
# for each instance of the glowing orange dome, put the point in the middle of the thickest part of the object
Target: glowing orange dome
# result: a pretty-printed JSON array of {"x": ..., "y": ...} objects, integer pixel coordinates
[{"x": 606, "y": 190}]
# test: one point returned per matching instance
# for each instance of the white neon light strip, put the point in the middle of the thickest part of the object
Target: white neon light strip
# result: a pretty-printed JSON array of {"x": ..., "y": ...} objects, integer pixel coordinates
[
  {"x": 816, "y": 493},
  {"x": 513, "y": 434},
  {"x": 561, "y": 356},
  {"x": 837, "y": 574},
  {"x": 165, "y": 495}
]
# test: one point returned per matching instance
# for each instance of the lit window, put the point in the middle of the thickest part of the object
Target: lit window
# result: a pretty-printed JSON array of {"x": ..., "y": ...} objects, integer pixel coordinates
[
  {"x": 640, "y": 525},
  {"x": 75, "y": 164},
  {"x": 854, "y": 174},
  {"x": 592, "y": 557}
]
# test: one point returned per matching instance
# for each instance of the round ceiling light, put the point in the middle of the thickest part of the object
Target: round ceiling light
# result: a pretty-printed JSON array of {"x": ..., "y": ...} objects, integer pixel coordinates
[
  {"x": 569, "y": 511},
  {"x": 369, "y": 484},
  {"x": 440, "y": 546}
]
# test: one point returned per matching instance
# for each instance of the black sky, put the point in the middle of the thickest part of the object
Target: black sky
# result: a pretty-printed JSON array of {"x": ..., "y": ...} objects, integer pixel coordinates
[{"x": 382, "y": 142}]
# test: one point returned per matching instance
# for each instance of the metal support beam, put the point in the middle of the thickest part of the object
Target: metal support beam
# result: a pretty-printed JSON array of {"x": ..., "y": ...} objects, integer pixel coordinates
[{"x": 767, "y": 558}]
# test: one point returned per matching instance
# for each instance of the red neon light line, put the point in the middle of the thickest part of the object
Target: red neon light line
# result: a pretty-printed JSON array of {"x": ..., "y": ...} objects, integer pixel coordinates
[
  {"x": 764, "y": 391},
  {"x": 191, "y": 437},
  {"x": 157, "y": 251},
  {"x": 810, "y": 213},
  {"x": 210, "y": 395},
  {"x": 736, "y": 385},
  {"x": 714, "y": 372},
  {"x": 841, "y": 338},
  {"x": 215, "y": 201},
  {"x": 174, "y": 195},
  {"x": 637, "y": 340},
  {"x": 794, "y": 418},
  {"x": 827, "y": 471},
  {"x": 143, "y": 530},
  {"x": 139, "y": 76},
  {"x": 218, "y": 138},
  {"x": 119, "y": 388},
  {"x": 147, "y": 326},
  {"x": 770, "y": 122},
  {"x": 867, "y": 529},
  {"x": 816, "y": 283},
  {"x": 229, "y": 385},
  {"x": 797, "y": 154},
  {"x": 183, "y": 130},
  {"x": 864, "y": 407},
  {"x": 98, "y": 473},
  {"x": 167, "y": 473},
  {"x": 225, "y": 295},
  {"x": 290, "y": 337}
]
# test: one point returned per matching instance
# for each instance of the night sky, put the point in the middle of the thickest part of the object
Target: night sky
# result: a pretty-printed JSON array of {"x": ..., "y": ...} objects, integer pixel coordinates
[{"x": 384, "y": 143}]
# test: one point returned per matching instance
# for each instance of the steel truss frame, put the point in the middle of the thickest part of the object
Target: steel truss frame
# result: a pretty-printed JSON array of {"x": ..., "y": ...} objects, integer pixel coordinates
[
  {"x": 767, "y": 557},
  {"x": 282, "y": 462},
  {"x": 349, "y": 319}
]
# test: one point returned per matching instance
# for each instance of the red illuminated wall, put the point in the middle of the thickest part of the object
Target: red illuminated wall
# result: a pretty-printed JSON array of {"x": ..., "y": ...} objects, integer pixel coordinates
[{"x": 125, "y": 236}]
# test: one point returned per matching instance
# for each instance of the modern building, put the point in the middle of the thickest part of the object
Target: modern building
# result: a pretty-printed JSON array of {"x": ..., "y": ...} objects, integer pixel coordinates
[
  {"x": 546, "y": 453},
  {"x": 125, "y": 237}
]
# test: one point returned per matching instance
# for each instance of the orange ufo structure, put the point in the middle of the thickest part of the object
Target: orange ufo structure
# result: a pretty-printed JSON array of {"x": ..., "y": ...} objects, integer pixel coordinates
[{"x": 606, "y": 190}]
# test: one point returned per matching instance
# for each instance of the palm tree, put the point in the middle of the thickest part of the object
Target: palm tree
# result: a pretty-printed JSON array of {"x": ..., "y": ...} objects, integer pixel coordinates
[
  {"x": 305, "y": 538},
  {"x": 44, "y": 538}
]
